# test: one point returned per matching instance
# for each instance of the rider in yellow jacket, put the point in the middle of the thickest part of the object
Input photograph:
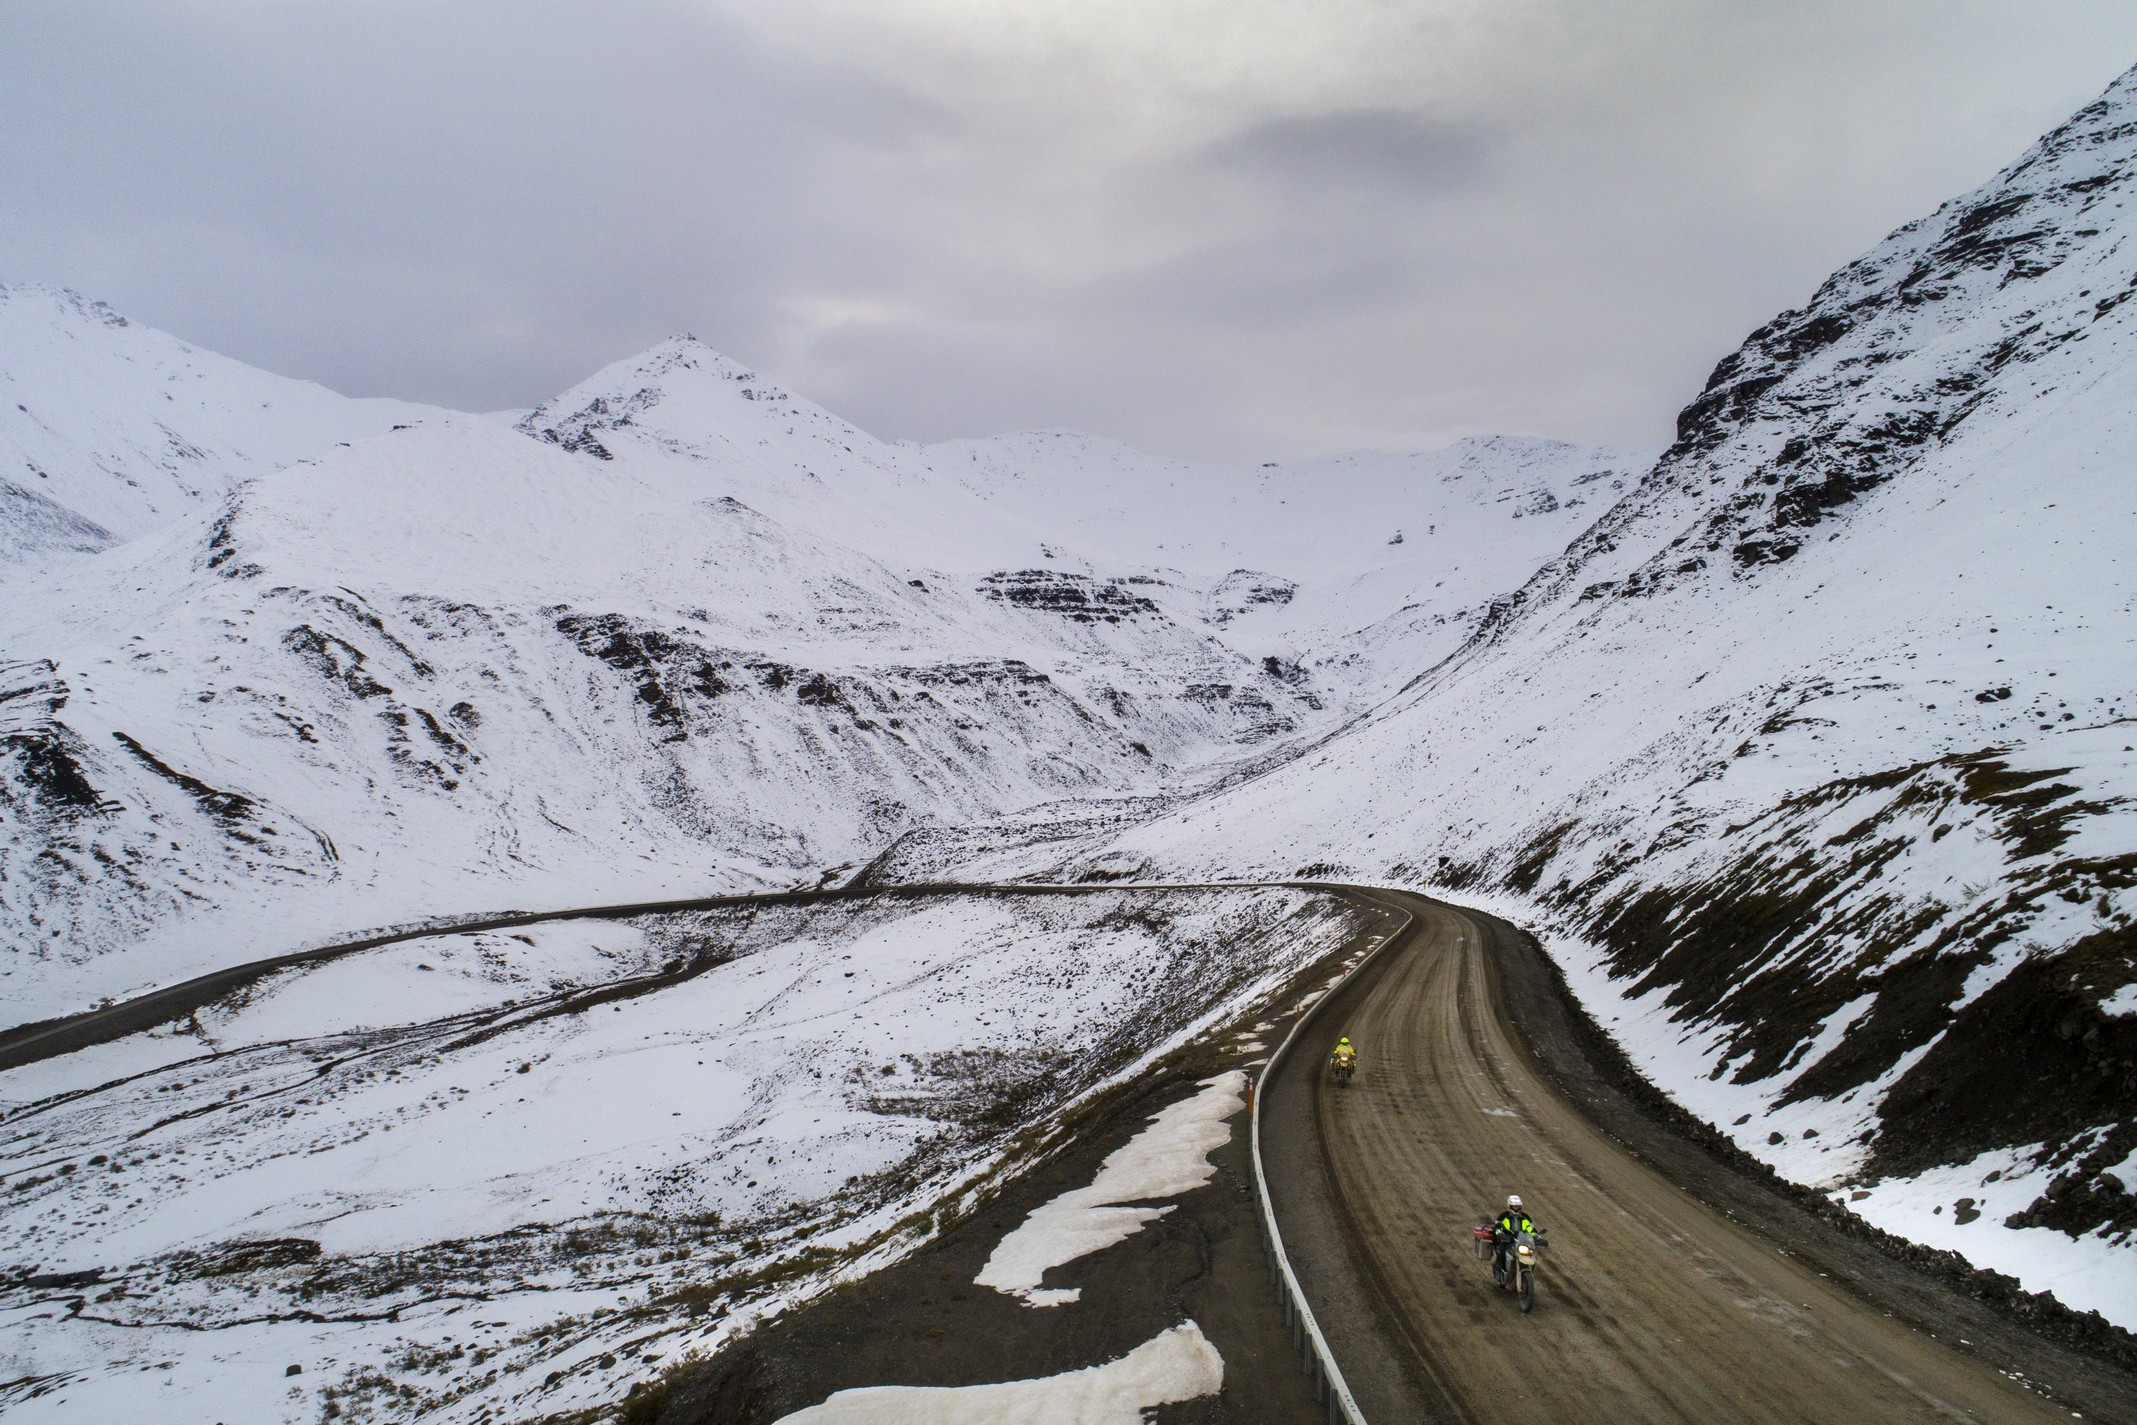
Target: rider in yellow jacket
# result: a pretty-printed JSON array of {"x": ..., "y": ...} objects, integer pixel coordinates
[{"x": 1511, "y": 1223}]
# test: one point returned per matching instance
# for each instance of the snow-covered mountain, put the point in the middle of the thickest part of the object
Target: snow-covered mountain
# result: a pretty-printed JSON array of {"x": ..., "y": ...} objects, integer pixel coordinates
[
  {"x": 1362, "y": 568},
  {"x": 1820, "y": 741},
  {"x": 109, "y": 429},
  {"x": 1812, "y": 753},
  {"x": 678, "y": 631}
]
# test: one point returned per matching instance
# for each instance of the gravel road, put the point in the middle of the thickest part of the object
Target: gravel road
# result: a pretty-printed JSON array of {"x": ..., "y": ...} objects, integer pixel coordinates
[
  {"x": 1652, "y": 1305},
  {"x": 1679, "y": 1285}
]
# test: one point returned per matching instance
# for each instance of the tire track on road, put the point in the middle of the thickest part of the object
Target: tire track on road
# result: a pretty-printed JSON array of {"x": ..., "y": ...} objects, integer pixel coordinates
[{"x": 1651, "y": 1306}]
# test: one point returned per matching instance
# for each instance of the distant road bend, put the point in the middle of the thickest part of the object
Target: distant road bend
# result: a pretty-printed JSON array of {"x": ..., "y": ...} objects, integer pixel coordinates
[{"x": 1650, "y": 1307}]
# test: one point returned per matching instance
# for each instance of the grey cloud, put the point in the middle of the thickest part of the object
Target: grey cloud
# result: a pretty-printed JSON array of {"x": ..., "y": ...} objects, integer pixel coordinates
[
  {"x": 1297, "y": 272},
  {"x": 1342, "y": 213},
  {"x": 1378, "y": 148},
  {"x": 480, "y": 203},
  {"x": 474, "y": 203}
]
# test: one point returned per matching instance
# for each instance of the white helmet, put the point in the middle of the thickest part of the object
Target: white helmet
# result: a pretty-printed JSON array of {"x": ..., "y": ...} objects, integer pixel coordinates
[{"x": 1513, "y": 1199}]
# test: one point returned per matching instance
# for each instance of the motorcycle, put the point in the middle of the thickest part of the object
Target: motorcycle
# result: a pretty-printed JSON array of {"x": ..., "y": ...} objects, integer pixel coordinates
[
  {"x": 1515, "y": 1268},
  {"x": 1342, "y": 1067}
]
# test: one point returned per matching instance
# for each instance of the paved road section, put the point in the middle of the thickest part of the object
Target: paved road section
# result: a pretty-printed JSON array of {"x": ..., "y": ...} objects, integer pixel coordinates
[{"x": 1651, "y": 1306}]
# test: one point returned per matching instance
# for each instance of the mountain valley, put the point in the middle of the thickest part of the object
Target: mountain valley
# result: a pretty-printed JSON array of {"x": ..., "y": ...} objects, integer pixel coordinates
[{"x": 1804, "y": 747}]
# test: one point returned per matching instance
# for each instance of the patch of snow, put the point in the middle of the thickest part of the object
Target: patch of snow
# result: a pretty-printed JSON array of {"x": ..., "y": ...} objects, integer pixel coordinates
[
  {"x": 1176, "y": 1366},
  {"x": 1962, "y": 1208},
  {"x": 1166, "y": 1159}
]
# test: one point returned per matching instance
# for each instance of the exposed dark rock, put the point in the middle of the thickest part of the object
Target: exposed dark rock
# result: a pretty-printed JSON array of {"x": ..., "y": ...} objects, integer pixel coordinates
[
  {"x": 335, "y": 659},
  {"x": 48, "y": 767},
  {"x": 230, "y": 808},
  {"x": 666, "y": 671},
  {"x": 2033, "y": 1060},
  {"x": 1073, "y": 596},
  {"x": 819, "y": 691}
]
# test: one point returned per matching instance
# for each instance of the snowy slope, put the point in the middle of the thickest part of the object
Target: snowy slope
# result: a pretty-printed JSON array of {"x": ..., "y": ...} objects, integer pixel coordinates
[
  {"x": 1820, "y": 741},
  {"x": 503, "y": 1175},
  {"x": 1352, "y": 572},
  {"x": 452, "y": 659},
  {"x": 109, "y": 429},
  {"x": 1359, "y": 570},
  {"x": 678, "y": 630}
]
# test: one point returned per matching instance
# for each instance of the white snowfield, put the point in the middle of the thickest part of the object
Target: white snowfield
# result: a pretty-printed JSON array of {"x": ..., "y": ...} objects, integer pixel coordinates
[
  {"x": 109, "y": 429},
  {"x": 1178, "y": 1365},
  {"x": 1166, "y": 1159},
  {"x": 1365, "y": 569},
  {"x": 553, "y": 1155}
]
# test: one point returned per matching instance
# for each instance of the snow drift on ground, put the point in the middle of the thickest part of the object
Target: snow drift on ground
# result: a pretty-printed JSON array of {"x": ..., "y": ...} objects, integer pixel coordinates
[
  {"x": 515, "y": 1171},
  {"x": 1820, "y": 740},
  {"x": 1178, "y": 1365},
  {"x": 1168, "y": 1158}
]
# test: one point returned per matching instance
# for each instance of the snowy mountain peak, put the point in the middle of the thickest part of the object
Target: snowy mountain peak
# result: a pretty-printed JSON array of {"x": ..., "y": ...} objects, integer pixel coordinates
[
  {"x": 1945, "y": 327},
  {"x": 60, "y": 302},
  {"x": 1495, "y": 454},
  {"x": 1929, "y": 322},
  {"x": 681, "y": 395},
  {"x": 110, "y": 429}
]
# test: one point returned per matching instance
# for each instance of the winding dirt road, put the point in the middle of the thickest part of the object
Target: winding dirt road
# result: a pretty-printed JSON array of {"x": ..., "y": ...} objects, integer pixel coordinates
[
  {"x": 1651, "y": 1305},
  {"x": 1677, "y": 1287}
]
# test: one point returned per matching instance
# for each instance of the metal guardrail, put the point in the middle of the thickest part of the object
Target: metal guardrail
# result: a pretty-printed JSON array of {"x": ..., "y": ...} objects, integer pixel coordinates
[{"x": 1315, "y": 1356}]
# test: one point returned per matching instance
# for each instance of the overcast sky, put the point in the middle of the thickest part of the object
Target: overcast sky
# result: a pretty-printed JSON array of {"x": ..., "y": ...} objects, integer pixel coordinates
[{"x": 1235, "y": 229}]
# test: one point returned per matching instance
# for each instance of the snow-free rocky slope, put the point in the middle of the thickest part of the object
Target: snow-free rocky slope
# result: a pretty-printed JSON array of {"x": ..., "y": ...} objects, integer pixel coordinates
[
  {"x": 680, "y": 631},
  {"x": 1817, "y": 747}
]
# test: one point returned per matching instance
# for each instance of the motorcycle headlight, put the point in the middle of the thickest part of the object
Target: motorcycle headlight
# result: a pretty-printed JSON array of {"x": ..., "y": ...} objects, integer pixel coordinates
[{"x": 1526, "y": 1250}]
